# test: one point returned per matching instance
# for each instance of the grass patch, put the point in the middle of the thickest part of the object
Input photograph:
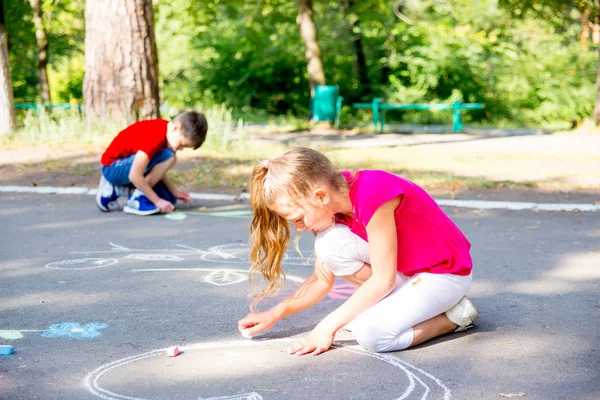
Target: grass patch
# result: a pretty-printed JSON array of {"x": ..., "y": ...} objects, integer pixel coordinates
[{"x": 226, "y": 160}]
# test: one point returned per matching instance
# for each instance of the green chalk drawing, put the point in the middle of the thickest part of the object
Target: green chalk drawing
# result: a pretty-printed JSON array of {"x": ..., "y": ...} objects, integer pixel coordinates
[
  {"x": 176, "y": 216},
  {"x": 11, "y": 335},
  {"x": 179, "y": 215},
  {"x": 15, "y": 334},
  {"x": 231, "y": 214}
]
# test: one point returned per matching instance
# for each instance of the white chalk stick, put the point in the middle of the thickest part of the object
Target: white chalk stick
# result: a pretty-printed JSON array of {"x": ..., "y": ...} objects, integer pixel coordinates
[
  {"x": 246, "y": 333},
  {"x": 173, "y": 351}
]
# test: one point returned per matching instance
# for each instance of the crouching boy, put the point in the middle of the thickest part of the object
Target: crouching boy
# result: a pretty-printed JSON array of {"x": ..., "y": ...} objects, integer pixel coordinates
[{"x": 137, "y": 160}]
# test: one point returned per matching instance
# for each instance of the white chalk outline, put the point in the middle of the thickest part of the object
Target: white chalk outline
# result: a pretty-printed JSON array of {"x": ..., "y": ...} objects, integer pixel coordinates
[
  {"x": 478, "y": 204},
  {"x": 292, "y": 278},
  {"x": 223, "y": 253},
  {"x": 91, "y": 379},
  {"x": 155, "y": 257},
  {"x": 111, "y": 261}
]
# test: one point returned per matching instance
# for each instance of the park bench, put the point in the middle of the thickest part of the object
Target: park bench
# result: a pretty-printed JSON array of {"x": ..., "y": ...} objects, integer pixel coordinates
[{"x": 378, "y": 107}]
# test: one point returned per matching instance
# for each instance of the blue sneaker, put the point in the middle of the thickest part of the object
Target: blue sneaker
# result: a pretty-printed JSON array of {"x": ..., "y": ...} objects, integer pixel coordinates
[
  {"x": 107, "y": 198},
  {"x": 139, "y": 204},
  {"x": 164, "y": 193}
]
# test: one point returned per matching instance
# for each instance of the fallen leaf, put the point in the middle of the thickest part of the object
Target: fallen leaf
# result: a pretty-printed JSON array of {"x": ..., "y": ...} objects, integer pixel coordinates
[
  {"x": 33, "y": 184},
  {"x": 520, "y": 394}
]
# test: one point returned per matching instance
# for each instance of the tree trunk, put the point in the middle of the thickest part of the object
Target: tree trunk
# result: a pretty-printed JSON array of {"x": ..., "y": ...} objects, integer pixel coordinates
[
  {"x": 361, "y": 62},
  {"x": 121, "y": 61},
  {"x": 308, "y": 32},
  {"x": 7, "y": 112},
  {"x": 596, "y": 115},
  {"x": 41, "y": 36}
]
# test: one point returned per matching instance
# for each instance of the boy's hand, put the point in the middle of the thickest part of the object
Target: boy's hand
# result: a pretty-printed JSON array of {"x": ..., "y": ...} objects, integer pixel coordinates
[
  {"x": 319, "y": 341},
  {"x": 184, "y": 196},
  {"x": 256, "y": 322},
  {"x": 164, "y": 206}
]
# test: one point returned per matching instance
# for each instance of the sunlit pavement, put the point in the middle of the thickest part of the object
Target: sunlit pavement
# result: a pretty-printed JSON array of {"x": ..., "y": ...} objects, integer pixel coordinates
[{"x": 90, "y": 301}]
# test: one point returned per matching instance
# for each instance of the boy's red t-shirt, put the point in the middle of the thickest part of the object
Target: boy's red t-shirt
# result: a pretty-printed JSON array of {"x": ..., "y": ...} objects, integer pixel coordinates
[
  {"x": 149, "y": 136},
  {"x": 428, "y": 241}
]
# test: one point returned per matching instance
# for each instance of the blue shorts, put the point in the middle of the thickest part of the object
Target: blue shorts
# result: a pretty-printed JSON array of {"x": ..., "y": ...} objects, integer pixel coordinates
[{"x": 117, "y": 173}]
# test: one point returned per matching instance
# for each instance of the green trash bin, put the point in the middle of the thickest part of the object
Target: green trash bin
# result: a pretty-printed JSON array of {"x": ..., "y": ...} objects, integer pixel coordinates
[{"x": 326, "y": 104}]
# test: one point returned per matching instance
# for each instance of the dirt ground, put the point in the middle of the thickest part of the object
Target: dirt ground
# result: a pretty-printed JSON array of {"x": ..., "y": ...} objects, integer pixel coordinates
[{"x": 78, "y": 166}]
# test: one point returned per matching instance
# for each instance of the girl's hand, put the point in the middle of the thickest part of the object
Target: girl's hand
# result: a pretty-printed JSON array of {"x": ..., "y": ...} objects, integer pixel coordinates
[
  {"x": 319, "y": 341},
  {"x": 256, "y": 322},
  {"x": 184, "y": 196}
]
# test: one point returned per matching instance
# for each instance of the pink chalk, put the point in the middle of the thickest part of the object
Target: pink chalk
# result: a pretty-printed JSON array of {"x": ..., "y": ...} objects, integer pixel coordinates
[{"x": 173, "y": 351}]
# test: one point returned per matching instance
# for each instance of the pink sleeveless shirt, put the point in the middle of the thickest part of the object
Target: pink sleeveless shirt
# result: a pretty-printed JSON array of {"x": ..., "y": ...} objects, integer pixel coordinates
[{"x": 428, "y": 241}]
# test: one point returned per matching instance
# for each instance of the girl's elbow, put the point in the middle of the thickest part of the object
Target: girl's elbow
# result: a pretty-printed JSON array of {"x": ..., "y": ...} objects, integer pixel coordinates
[{"x": 387, "y": 284}]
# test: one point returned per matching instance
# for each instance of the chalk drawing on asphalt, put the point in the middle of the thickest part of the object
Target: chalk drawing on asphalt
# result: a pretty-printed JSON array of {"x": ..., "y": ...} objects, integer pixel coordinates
[
  {"x": 244, "y": 396},
  {"x": 73, "y": 330},
  {"x": 225, "y": 253},
  {"x": 155, "y": 257},
  {"x": 82, "y": 263},
  {"x": 409, "y": 380}
]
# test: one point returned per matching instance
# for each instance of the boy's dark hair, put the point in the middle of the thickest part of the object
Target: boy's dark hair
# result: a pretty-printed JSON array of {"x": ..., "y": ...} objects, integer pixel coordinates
[{"x": 193, "y": 126}]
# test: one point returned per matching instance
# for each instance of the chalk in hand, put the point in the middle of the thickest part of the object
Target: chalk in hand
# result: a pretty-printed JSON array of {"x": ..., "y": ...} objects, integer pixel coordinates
[
  {"x": 173, "y": 351},
  {"x": 6, "y": 349},
  {"x": 246, "y": 333}
]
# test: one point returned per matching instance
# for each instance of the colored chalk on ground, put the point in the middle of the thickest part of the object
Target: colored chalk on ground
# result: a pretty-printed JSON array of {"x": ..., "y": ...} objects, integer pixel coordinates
[
  {"x": 176, "y": 215},
  {"x": 6, "y": 349},
  {"x": 246, "y": 333},
  {"x": 173, "y": 351}
]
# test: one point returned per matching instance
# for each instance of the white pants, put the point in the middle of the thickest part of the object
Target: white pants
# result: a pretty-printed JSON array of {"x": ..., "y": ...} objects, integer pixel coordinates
[{"x": 387, "y": 326}]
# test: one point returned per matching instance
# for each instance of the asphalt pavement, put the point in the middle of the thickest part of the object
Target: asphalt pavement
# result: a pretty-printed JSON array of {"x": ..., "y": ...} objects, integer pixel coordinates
[{"x": 91, "y": 301}]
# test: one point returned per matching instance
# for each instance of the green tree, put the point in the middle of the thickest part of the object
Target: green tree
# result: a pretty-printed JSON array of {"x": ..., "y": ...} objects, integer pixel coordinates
[
  {"x": 308, "y": 32},
  {"x": 65, "y": 49},
  {"x": 41, "y": 34},
  {"x": 558, "y": 10},
  {"x": 7, "y": 114}
]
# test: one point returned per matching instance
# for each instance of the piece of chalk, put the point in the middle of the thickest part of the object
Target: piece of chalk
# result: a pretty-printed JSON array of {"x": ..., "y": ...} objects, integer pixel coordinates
[
  {"x": 246, "y": 333},
  {"x": 173, "y": 351},
  {"x": 6, "y": 349}
]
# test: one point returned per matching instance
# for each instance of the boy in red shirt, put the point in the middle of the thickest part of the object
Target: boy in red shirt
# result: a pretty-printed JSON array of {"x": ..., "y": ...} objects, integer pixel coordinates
[{"x": 140, "y": 156}]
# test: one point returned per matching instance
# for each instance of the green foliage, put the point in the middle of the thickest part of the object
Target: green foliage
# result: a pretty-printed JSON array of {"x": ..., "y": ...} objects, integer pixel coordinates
[
  {"x": 64, "y": 21},
  {"x": 523, "y": 59}
]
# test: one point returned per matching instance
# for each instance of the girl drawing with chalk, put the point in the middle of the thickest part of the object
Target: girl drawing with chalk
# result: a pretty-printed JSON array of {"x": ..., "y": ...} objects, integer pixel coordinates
[{"x": 380, "y": 232}]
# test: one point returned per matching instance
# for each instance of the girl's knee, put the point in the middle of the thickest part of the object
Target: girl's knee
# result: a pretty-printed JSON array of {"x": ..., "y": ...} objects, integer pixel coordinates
[{"x": 378, "y": 341}]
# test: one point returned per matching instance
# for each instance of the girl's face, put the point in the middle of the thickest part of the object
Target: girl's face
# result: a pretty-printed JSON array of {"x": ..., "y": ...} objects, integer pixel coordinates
[{"x": 306, "y": 215}]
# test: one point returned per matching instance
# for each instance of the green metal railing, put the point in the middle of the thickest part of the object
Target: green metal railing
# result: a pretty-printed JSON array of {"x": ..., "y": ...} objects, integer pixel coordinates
[
  {"x": 378, "y": 107},
  {"x": 39, "y": 106}
]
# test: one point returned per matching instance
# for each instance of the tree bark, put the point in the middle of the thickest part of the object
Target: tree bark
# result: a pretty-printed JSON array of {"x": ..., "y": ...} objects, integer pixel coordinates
[
  {"x": 41, "y": 35},
  {"x": 361, "y": 61},
  {"x": 7, "y": 112},
  {"x": 308, "y": 32},
  {"x": 121, "y": 78},
  {"x": 596, "y": 114}
]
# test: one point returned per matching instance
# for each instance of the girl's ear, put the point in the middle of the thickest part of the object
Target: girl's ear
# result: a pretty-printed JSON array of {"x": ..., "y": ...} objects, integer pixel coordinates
[{"x": 321, "y": 195}]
